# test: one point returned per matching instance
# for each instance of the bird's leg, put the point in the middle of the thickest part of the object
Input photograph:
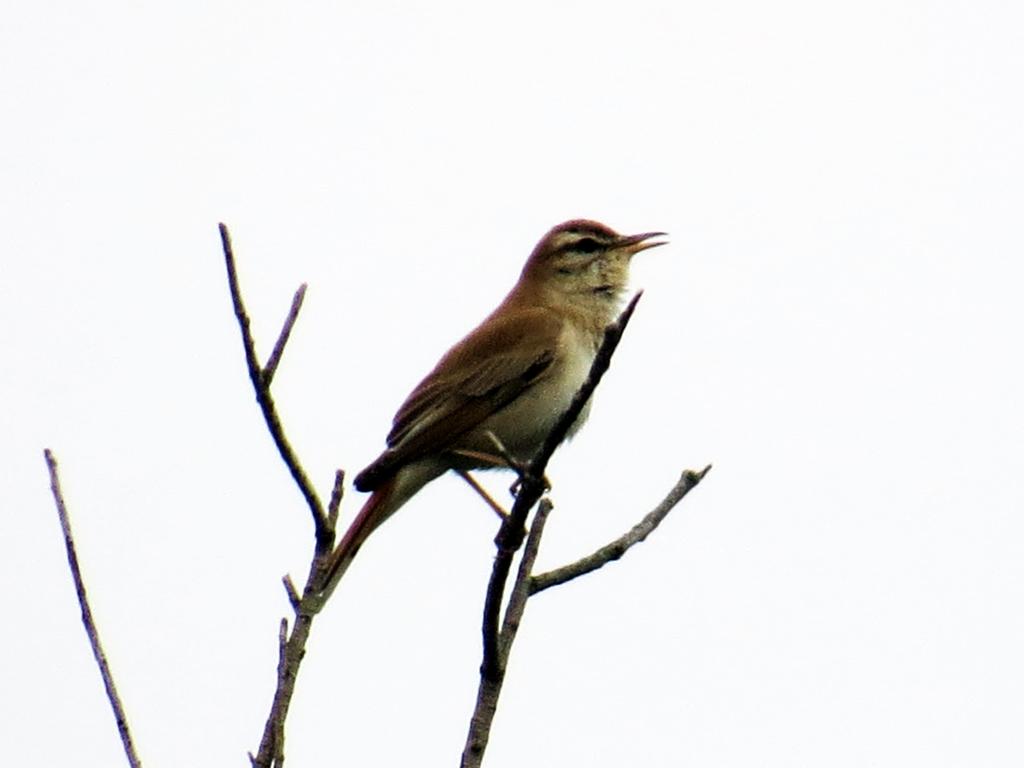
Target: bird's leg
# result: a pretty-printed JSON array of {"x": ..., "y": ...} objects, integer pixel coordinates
[
  {"x": 514, "y": 488},
  {"x": 488, "y": 499},
  {"x": 482, "y": 460},
  {"x": 519, "y": 466},
  {"x": 502, "y": 459}
]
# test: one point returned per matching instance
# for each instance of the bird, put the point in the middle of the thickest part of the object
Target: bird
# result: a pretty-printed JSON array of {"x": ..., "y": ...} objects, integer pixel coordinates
[{"x": 510, "y": 378}]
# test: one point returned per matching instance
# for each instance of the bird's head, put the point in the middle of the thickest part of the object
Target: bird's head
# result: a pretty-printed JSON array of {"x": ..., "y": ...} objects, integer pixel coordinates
[{"x": 584, "y": 260}]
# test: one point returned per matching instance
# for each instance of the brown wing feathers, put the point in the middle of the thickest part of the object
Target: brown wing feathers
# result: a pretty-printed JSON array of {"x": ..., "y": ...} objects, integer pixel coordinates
[{"x": 445, "y": 405}]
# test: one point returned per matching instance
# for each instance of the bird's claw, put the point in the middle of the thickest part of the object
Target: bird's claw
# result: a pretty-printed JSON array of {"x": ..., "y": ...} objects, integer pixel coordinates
[{"x": 514, "y": 488}]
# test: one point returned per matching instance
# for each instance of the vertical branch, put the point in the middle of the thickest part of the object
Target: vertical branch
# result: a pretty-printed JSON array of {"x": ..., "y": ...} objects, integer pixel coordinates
[
  {"x": 510, "y": 537},
  {"x": 532, "y": 486},
  {"x": 489, "y": 689},
  {"x": 521, "y": 586},
  {"x": 87, "y": 619},
  {"x": 291, "y": 645},
  {"x": 291, "y": 649}
]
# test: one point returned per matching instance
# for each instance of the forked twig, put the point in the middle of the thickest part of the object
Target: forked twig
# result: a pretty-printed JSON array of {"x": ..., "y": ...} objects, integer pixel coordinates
[
  {"x": 532, "y": 484},
  {"x": 291, "y": 645},
  {"x": 261, "y": 384}
]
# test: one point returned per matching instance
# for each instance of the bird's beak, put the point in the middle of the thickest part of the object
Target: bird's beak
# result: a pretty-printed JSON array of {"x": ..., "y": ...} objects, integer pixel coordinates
[{"x": 633, "y": 244}]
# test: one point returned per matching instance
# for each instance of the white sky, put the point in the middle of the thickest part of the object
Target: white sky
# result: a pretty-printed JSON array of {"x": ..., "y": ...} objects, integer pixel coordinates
[{"x": 836, "y": 326}]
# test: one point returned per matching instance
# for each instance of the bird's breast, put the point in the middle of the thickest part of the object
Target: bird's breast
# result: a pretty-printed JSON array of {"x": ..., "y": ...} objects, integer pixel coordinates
[{"x": 524, "y": 424}]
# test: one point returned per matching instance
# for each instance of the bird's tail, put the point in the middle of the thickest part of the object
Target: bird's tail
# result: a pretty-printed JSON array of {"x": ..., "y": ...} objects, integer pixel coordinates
[{"x": 375, "y": 511}]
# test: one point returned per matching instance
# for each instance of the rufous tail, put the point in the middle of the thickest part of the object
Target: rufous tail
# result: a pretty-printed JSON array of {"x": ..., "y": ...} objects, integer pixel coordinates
[{"x": 374, "y": 512}]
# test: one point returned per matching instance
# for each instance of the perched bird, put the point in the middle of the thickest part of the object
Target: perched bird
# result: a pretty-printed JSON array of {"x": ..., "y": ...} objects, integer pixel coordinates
[{"x": 514, "y": 375}]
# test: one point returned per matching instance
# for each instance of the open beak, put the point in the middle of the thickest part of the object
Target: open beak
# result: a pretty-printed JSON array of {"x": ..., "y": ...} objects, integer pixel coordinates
[{"x": 633, "y": 244}]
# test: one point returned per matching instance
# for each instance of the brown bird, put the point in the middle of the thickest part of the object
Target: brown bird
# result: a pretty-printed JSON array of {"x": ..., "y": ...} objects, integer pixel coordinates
[{"x": 513, "y": 376}]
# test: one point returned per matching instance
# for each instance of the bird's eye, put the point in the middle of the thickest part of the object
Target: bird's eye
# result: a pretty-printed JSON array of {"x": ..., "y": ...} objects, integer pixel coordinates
[{"x": 586, "y": 245}]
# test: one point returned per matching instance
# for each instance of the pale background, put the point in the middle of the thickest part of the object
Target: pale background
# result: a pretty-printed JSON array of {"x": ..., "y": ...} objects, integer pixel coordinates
[{"x": 836, "y": 325}]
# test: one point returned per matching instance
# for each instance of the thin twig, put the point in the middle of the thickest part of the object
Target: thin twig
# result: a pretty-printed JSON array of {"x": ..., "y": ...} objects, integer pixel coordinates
[
  {"x": 293, "y": 594},
  {"x": 292, "y": 648},
  {"x": 282, "y": 669},
  {"x": 263, "y": 396},
  {"x": 521, "y": 587},
  {"x": 282, "y": 338},
  {"x": 334, "y": 505},
  {"x": 87, "y": 620},
  {"x": 616, "y": 549}
]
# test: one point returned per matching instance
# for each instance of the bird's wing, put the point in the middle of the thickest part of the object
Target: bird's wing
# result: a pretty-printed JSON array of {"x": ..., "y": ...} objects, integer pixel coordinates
[{"x": 479, "y": 376}]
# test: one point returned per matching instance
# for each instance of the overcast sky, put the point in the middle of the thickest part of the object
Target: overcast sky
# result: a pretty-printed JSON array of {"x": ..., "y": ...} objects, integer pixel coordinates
[{"x": 835, "y": 325}]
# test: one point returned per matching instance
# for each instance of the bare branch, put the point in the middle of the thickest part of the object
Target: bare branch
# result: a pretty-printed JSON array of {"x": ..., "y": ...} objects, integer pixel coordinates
[
  {"x": 491, "y": 669},
  {"x": 282, "y": 637},
  {"x": 286, "y": 330},
  {"x": 489, "y": 689},
  {"x": 334, "y": 505},
  {"x": 616, "y": 549},
  {"x": 521, "y": 587},
  {"x": 293, "y": 594},
  {"x": 292, "y": 646},
  {"x": 532, "y": 485},
  {"x": 87, "y": 620},
  {"x": 263, "y": 396},
  {"x": 277, "y": 723}
]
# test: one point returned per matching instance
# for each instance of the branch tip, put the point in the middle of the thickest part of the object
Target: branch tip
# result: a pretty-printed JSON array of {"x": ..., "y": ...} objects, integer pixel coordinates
[
  {"x": 334, "y": 505},
  {"x": 291, "y": 643},
  {"x": 293, "y": 594},
  {"x": 688, "y": 480},
  {"x": 260, "y": 383},
  {"x": 282, "y": 338}
]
